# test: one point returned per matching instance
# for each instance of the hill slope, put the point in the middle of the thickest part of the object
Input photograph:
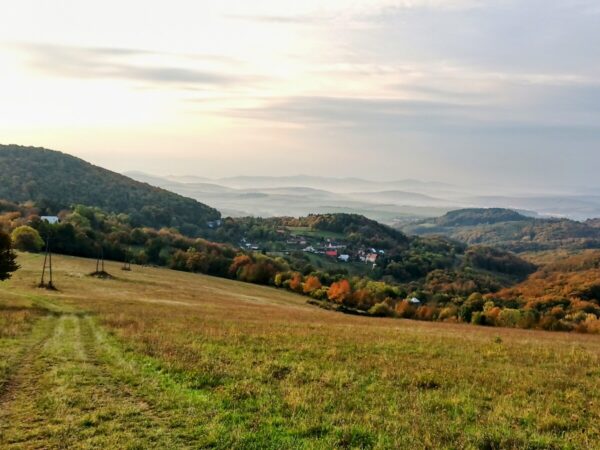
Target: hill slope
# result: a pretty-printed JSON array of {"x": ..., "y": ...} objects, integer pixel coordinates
[
  {"x": 54, "y": 181},
  {"x": 220, "y": 364},
  {"x": 509, "y": 230},
  {"x": 478, "y": 216}
]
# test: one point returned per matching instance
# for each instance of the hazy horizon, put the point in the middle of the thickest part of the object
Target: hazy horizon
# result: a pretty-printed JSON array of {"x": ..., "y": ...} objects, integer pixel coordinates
[{"x": 501, "y": 93}]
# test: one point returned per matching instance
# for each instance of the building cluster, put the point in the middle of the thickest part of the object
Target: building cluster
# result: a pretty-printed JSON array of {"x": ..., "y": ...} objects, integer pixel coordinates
[
  {"x": 327, "y": 247},
  {"x": 342, "y": 253}
]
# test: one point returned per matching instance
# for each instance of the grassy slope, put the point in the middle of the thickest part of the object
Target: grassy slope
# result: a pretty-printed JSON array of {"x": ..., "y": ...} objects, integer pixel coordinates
[{"x": 162, "y": 359}]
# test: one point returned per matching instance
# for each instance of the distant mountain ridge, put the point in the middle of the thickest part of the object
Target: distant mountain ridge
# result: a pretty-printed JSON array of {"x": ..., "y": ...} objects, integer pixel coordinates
[
  {"x": 288, "y": 196},
  {"x": 343, "y": 184},
  {"x": 55, "y": 181}
]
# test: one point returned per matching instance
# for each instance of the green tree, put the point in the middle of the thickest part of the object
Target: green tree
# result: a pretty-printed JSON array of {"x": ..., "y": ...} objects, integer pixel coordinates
[
  {"x": 7, "y": 257},
  {"x": 27, "y": 239}
]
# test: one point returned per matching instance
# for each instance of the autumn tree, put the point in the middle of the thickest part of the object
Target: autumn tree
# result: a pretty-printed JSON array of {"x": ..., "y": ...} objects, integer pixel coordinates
[
  {"x": 339, "y": 291},
  {"x": 311, "y": 284},
  {"x": 27, "y": 239},
  {"x": 296, "y": 282}
]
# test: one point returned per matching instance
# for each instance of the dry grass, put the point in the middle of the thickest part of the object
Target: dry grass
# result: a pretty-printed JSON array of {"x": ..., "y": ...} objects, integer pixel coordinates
[{"x": 208, "y": 362}]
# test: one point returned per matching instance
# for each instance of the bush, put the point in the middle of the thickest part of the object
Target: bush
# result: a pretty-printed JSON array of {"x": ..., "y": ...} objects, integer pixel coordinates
[
  {"x": 381, "y": 310},
  {"x": 405, "y": 310},
  {"x": 27, "y": 239},
  {"x": 509, "y": 317}
]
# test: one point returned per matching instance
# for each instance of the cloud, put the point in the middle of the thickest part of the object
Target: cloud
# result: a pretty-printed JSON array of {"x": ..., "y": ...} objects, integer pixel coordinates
[
  {"x": 360, "y": 11},
  {"x": 125, "y": 64},
  {"x": 568, "y": 110},
  {"x": 300, "y": 19}
]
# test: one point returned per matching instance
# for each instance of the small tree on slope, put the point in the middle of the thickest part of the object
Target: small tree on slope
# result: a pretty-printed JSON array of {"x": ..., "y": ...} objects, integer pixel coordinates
[{"x": 7, "y": 257}]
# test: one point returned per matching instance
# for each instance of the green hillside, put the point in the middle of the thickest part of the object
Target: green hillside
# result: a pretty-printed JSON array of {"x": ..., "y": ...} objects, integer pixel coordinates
[
  {"x": 477, "y": 216},
  {"x": 509, "y": 230},
  {"x": 55, "y": 181}
]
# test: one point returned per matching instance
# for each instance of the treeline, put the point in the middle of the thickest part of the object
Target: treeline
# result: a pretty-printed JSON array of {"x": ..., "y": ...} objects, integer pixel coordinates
[
  {"x": 468, "y": 293},
  {"x": 358, "y": 229}
]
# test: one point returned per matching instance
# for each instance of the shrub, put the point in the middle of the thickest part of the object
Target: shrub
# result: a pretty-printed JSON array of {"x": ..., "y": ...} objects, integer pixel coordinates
[
  {"x": 381, "y": 310},
  {"x": 509, "y": 317},
  {"x": 405, "y": 310},
  {"x": 426, "y": 312},
  {"x": 449, "y": 312}
]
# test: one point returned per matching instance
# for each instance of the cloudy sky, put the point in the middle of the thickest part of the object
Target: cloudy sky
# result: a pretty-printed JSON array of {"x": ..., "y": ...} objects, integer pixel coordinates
[{"x": 503, "y": 91}]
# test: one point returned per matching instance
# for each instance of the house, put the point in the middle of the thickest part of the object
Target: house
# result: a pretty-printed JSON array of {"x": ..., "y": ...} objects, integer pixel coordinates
[
  {"x": 371, "y": 258},
  {"x": 344, "y": 258},
  {"x": 214, "y": 223},
  {"x": 414, "y": 301},
  {"x": 309, "y": 249},
  {"x": 332, "y": 253},
  {"x": 50, "y": 219}
]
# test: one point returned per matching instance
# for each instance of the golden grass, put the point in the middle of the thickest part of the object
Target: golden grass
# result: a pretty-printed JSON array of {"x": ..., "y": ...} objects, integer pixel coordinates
[{"x": 223, "y": 364}]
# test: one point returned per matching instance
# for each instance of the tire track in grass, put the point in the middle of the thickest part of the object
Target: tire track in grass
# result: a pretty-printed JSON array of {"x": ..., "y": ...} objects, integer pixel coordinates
[
  {"x": 64, "y": 397},
  {"x": 184, "y": 410},
  {"x": 19, "y": 363}
]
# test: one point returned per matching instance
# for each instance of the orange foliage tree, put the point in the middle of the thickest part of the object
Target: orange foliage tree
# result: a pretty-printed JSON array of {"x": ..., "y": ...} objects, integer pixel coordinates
[
  {"x": 311, "y": 284},
  {"x": 296, "y": 282},
  {"x": 340, "y": 291}
]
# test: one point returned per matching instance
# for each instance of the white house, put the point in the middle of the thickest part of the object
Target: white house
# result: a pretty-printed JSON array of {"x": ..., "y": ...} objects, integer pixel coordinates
[
  {"x": 50, "y": 219},
  {"x": 371, "y": 258},
  {"x": 344, "y": 258},
  {"x": 414, "y": 301}
]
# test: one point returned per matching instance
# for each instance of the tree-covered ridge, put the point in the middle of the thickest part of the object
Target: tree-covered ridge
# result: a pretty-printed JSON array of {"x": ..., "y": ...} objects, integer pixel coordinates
[
  {"x": 478, "y": 216},
  {"x": 55, "y": 181},
  {"x": 518, "y": 235}
]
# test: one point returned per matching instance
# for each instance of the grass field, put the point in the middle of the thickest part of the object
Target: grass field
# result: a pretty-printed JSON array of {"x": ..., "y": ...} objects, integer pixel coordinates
[
  {"x": 163, "y": 359},
  {"x": 314, "y": 233}
]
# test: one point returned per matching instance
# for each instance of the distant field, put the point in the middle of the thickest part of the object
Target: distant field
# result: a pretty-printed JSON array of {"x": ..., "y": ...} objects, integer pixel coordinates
[
  {"x": 314, "y": 233},
  {"x": 164, "y": 359}
]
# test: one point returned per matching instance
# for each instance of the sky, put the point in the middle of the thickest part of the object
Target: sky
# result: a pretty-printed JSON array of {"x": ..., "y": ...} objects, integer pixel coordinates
[{"x": 494, "y": 91}]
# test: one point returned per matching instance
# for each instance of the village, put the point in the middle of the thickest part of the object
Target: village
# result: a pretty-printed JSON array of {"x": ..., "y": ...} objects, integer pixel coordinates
[{"x": 332, "y": 248}]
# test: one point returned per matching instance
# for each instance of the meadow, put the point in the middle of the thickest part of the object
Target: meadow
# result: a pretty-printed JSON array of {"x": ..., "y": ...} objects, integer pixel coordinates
[{"x": 162, "y": 359}]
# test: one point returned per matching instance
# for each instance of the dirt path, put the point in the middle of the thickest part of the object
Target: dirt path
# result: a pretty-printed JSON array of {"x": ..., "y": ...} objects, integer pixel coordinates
[{"x": 68, "y": 392}]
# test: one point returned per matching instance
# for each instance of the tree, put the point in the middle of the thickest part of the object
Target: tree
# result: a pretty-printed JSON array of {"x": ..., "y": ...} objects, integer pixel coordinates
[
  {"x": 296, "y": 283},
  {"x": 27, "y": 239},
  {"x": 311, "y": 284},
  {"x": 7, "y": 257},
  {"x": 340, "y": 291}
]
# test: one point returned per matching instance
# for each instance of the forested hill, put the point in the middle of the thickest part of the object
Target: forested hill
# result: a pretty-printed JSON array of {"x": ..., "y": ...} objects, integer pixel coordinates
[
  {"x": 54, "y": 181},
  {"x": 509, "y": 230},
  {"x": 478, "y": 216}
]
